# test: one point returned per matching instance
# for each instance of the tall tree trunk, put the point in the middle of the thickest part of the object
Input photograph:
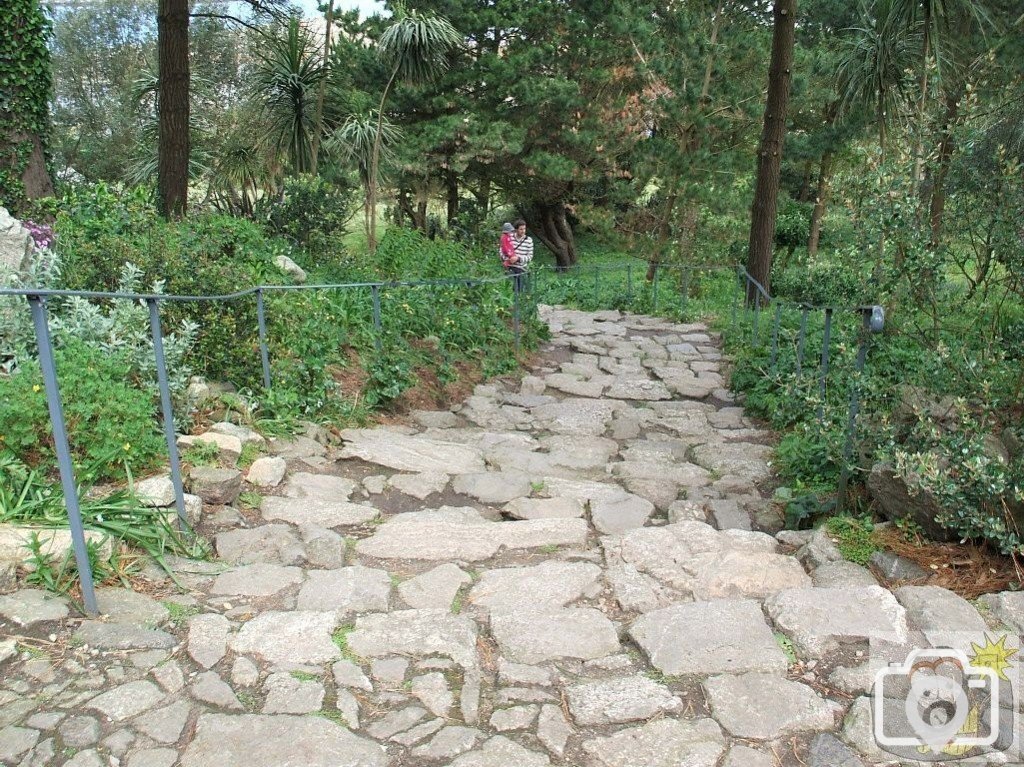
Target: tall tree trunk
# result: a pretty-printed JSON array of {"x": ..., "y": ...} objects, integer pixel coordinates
[
  {"x": 318, "y": 121},
  {"x": 938, "y": 201},
  {"x": 483, "y": 196},
  {"x": 805, "y": 183},
  {"x": 766, "y": 191},
  {"x": 452, "y": 188},
  {"x": 173, "y": 107},
  {"x": 922, "y": 102},
  {"x": 35, "y": 177},
  {"x": 551, "y": 227},
  {"x": 820, "y": 203}
]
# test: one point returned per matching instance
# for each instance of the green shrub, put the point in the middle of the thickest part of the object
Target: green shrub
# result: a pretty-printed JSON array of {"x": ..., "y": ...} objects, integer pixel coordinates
[
  {"x": 110, "y": 420},
  {"x": 311, "y": 211}
]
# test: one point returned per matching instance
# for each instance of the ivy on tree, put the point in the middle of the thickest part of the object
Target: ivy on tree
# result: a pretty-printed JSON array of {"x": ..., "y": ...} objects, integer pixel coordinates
[{"x": 25, "y": 85}]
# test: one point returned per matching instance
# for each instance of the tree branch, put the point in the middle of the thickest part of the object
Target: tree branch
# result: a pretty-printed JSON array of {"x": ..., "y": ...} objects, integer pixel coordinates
[{"x": 226, "y": 17}]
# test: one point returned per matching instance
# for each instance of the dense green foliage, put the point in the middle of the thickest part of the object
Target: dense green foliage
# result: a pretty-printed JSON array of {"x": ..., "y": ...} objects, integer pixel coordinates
[
  {"x": 26, "y": 83},
  {"x": 625, "y": 133}
]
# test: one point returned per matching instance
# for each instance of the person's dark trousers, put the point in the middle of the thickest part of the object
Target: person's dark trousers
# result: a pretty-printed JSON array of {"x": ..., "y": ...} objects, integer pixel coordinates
[{"x": 518, "y": 278}]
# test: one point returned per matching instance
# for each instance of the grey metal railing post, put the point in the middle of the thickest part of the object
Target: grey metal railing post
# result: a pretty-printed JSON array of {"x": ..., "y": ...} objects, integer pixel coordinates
[
  {"x": 377, "y": 340},
  {"x": 736, "y": 296},
  {"x": 515, "y": 313},
  {"x": 654, "y": 303},
  {"x": 775, "y": 337},
  {"x": 755, "y": 336},
  {"x": 686, "y": 289},
  {"x": 63, "y": 450},
  {"x": 629, "y": 282},
  {"x": 166, "y": 408},
  {"x": 851, "y": 422},
  {"x": 802, "y": 341},
  {"x": 261, "y": 320},
  {"x": 826, "y": 341},
  {"x": 597, "y": 285}
]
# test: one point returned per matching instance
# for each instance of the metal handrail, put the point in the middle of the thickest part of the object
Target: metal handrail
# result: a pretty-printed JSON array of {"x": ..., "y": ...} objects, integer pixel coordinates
[{"x": 37, "y": 301}]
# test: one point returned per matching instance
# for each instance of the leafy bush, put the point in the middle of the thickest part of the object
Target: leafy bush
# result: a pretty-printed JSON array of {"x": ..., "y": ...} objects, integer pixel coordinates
[
  {"x": 110, "y": 421},
  {"x": 311, "y": 211}
]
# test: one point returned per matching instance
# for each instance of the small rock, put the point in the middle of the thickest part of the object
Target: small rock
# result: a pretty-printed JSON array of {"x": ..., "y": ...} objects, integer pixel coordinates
[
  {"x": 127, "y": 700},
  {"x": 31, "y": 606},
  {"x": 794, "y": 706},
  {"x": 208, "y": 687},
  {"x": 499, "y": 751},
  {"x": 153, "y": 757},
  {"x": 348, "y": 674},
  {"x": 514, "y": 718},
  {"x": 287, "y": 694},
  {"x": 215, "y": 486},
  {"x": 375, "y": 484},
  {"x": 828, "y": 751},
  {"x": 164, "y": 725},
  {"x": 79, "y": 731},
  {"x": 15, "y": 741},
  {"x": 208, "y": 639},
  {"x": 619, "y": 700},
  {"x": 553, "y": 730},
  {"x": 389, "y": 670},
  {"x": 348, "y": 706},
  {"x": 420, "y": 485},
  {"x": 449, "y": 743},
  {"x": 169, "y": 677},
  {"x": 434, "y": 588},
  {"x": 395, "y": 722},
  {"x": 432, "y": 691},
  {"x": 519, "y": 673},
  {"x": 893, "y": 567},
  {"x": 155, "y": 492},
  {"x": 230, "y": 446},
  {"x": 267, "y": 472},
  {"x": 244, "y": 673}
]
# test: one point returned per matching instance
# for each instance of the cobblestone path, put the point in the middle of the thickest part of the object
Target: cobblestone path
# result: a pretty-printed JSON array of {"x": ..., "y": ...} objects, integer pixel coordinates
[{"x": 578, "y": 569}]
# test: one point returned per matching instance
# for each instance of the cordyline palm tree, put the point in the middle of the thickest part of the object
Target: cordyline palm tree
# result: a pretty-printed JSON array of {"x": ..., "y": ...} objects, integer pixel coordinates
[
  {"x": 415, "y": 48},
  {"x": 935, "y": 19},
  {"x": 873, "y": 69},
  {"x": 286, "y": 83},
  {"x": 355, "y": 141}
]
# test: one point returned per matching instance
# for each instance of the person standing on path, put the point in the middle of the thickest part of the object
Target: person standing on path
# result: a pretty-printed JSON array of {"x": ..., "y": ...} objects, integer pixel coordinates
[{"x": 522, "y": 245}]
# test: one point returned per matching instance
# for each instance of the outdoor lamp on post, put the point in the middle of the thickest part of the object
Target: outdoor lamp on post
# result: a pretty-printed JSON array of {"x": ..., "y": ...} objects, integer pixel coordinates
[{"x": 874, "y": 323}]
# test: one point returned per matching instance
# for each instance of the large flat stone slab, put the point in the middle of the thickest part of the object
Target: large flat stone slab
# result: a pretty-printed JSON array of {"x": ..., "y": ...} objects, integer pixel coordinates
[
  {"x": 661, "y": 743},
  {"x": 723, "y": 636},
  {"x": 321, "y": 487},
  {"x": 819, "y": 621},
  {"x": 495, "y": 487},
  {"x": 266, "y": 543},
  {"x": 257, "y": 580},
  {"x": 540, "y": 636},
  {"x": 618, "y": 700},
  {"x": 545, "y": 508},
  {"x": 403, "y": 452},
  {"x": 943, "y": 616},
  {"x": 463, "y": 534},
  {"x": 548, "y": 585},
  {"x": 347, "y": 590},
  {"x": 278, "y": 741},
  {"x": 435, "y": 588},
  {"x": 499, "y": 751},
  {"x": 126, "y": 700},
  {"x": 31, "y": 606},
  {"x": 766, "y": 706},
  {"x": 289, "y": 638},
  {"x": 576, "y": 416},
  {"x": 314, "y": 511},
  {"x": 702, "y": 563},
  {"x": 415, "y": 633}
]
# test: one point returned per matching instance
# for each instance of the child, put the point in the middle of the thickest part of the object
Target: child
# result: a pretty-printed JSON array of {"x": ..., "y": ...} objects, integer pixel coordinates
[{"x": 508, "y": 247}]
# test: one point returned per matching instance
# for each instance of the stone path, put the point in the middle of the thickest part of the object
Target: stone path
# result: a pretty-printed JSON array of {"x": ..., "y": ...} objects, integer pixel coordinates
[{"x": 576, "y": 570}]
